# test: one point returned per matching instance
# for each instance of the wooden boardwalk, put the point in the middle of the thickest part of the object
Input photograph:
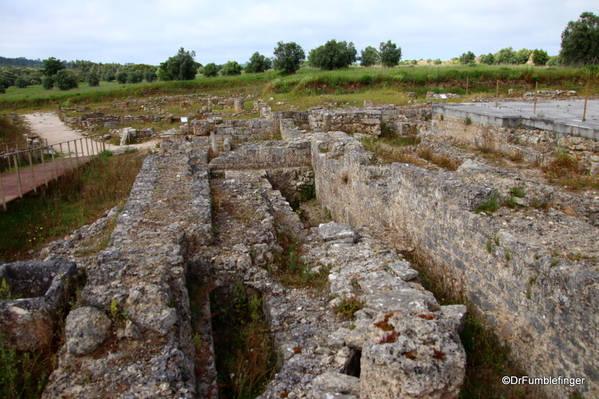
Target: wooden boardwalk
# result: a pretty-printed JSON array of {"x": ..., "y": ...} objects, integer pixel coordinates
[{"x": 14, "y": 184}]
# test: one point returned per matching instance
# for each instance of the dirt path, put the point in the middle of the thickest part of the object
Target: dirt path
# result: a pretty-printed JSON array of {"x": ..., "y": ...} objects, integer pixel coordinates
[{"x": 50, "y": 127}]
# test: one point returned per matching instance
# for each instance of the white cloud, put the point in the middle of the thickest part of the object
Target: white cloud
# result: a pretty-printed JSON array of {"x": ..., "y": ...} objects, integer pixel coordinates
[{"x": 151, "y": 31}]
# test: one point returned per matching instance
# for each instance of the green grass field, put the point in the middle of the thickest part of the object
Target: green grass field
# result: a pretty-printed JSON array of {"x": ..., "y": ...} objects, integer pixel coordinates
[{"x": 311, "y": 87}]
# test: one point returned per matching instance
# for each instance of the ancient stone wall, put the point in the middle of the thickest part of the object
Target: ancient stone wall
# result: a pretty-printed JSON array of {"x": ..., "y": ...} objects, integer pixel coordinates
[
  {"x": 266, "y": 155},
  {"x": 511, "y": 269}
]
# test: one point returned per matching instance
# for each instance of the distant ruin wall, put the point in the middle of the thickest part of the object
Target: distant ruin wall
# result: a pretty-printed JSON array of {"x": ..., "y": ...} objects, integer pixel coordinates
[
  {"x": 266, "y": 155},
  {"x": 543, "y": 305}
]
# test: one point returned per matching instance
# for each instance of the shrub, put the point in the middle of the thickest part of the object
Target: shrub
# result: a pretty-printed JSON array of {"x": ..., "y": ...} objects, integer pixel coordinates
[
  {"x": 467, "y": 58},
  {"x": 21, "y": 82},
  {"x": 540, "y": 57},
  {"x": 2, "y": 89},
  {"x": 489, "y": 206},
  {"x": 109, "y": 77},
  {"x": 210, "y": 70},
  {"x": 65, "y": 80},
  {"x": 231, "y": 68},
  {"x": 134, "y": 77}
]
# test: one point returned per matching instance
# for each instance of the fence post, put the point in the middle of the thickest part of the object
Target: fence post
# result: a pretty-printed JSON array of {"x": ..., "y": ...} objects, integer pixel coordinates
[
  {"x": 497, "y": 95},
  {"x": 76, "y": 152}
]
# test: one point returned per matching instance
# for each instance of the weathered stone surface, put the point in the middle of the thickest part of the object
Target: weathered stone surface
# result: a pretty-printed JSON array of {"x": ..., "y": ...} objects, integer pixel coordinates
[
  {"x": 330, "y": 384},
  {"x": 86, "y": 328},
  {"x": 43, "y": 289}
]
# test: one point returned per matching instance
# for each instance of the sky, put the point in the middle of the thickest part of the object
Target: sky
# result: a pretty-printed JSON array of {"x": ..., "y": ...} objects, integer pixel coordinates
[{"x": 151, "y": 31}]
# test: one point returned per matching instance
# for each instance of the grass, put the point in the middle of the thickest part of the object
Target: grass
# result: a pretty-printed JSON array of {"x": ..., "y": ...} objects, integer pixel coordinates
[
  {"x": 245, "y": 359},
  {"x": 70, "y": 202},
  {"x": 310, "y": 87},
  {"x": 24, "y": 375},
  {"x": 489, "y": 206}
]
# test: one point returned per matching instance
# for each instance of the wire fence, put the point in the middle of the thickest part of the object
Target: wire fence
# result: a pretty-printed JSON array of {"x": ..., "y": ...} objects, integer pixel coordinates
[{"x": 25, "y": 169}]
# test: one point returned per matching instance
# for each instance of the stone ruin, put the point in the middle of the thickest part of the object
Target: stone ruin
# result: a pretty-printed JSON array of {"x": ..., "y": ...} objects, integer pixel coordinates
[{"x": 196, "y": 218}]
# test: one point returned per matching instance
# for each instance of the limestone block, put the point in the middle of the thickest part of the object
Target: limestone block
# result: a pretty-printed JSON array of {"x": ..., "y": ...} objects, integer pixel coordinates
[
  {"x": 86, "y": 328},
  {"x": 332, "y": 385},
  {"x": 335, "y": 232}
]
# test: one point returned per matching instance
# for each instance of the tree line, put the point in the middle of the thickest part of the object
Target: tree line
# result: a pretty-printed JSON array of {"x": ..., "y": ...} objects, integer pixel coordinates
[{"x": 579, "y": 46}]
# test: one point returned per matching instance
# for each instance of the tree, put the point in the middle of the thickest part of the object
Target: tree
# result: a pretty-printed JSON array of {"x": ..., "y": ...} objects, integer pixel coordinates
[
  {"x": 488, "y": 59},
  {"x": 369, "y": 56},
  {"x": 523, "y": 55},
  {"x": 65, "y": 80},
  {"x": 506, "y": 56},
  {"x": 288, "y": 57},
  {"x": 467, "y": 58},
  {"x": 390, "y": 54},
  {"x": 580, "y": 41},
  {"x": 540, "y": 57},
  {"x": 93, "y": 79},
  {"x": 121, "y": 77},
  {"x": 258, "y": 63},
  {"x": 210, "y": 70},
  {"x": 231, "y": 68},
  {"x": 52, "y": 66},
  {"x": 333, "y": 55},
  {"x": 179, "y": 67}
]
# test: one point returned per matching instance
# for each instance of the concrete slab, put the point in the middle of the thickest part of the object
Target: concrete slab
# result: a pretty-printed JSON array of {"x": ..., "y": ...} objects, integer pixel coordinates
[{"x": 564, "y": 117}]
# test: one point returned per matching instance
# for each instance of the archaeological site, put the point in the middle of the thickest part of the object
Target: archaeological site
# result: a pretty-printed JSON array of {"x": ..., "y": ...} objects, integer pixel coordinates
[{"x": 319, "y": 224}]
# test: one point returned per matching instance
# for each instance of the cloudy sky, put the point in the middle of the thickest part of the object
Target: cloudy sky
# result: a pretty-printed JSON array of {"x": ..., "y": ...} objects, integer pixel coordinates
[{"x": 150, "y": 31}]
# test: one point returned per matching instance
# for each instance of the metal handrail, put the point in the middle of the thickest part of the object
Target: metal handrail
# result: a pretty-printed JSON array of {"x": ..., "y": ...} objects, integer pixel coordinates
[{"x": 40, "y": 152}]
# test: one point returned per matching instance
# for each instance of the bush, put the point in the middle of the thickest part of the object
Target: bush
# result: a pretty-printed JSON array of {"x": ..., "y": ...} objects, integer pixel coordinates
[
  {"x": 523, "y": 55},
  {"x": 93, "y": 79},
  {"x": 506, "y": 56},
  {"x": 2, "y": 89},
  {"x": 333, "y": 55},
  {"x": 540, "y": 57},
  {"x": 108, "y": 77},
  {"x": 231, "y": 68},
  {"x": 48, "y": 82},
  {"x": 390, "y": 54},
  {"x": 488, "y": 59},
  {"x": 52, "y": 66},
  {"x": 288, "y": 57},
  {"x": 150, "y": 76},
  {"x": 134, "y": 77},
  {"x": 210, "y": 70},
  {"x": 467, "y": 58},
  {"x": 258, "y": 63},
  {"x": 65, "y": 80},
  {"x": 21, "y": 82}
]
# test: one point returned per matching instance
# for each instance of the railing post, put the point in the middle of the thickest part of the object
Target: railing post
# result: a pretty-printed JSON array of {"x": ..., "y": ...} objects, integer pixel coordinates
[
  {"x": 87, "y": 146},
  {"x": 76, "y": 152},
  {"x": 2, "y": 192},
  {"x": 44, "y": 166},
  {"x": 70, "y": 158},
  {"x": 32, "y": 172},
  {"x": 54, "y": 164},
  {"x": 14, "y": 157}
]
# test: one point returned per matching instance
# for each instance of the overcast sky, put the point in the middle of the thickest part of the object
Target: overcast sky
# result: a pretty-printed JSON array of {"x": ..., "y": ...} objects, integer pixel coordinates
[{"x": 151, "y": 31}]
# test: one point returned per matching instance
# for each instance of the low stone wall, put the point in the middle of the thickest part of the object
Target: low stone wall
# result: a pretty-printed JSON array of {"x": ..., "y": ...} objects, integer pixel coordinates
[
  {"x": 132, "y": 337},
  {"x": 537, "y": 300}
]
